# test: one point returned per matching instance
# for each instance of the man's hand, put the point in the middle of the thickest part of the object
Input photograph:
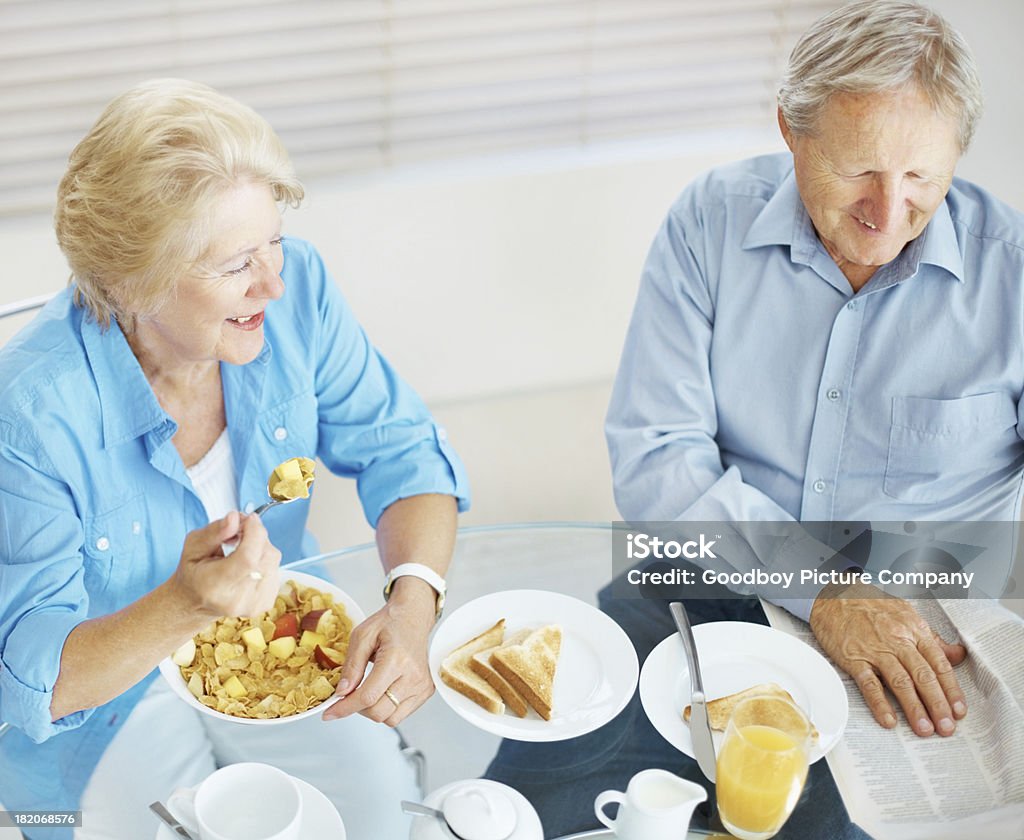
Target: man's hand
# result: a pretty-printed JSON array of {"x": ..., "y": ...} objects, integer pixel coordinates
[{"x": 878, "y": 639}]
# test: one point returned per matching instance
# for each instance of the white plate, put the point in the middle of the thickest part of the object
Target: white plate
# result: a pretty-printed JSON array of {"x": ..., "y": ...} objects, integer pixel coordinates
[
  {"x": 172, "y": 673},
  {"x": 597, "y": 667},
  {"x": 734, "y": 655},
  {"x": 320, "y": 818}
]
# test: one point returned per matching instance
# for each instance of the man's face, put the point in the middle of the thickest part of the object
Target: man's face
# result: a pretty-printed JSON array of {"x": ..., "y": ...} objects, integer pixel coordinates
[{"x": 873, "y": 174}]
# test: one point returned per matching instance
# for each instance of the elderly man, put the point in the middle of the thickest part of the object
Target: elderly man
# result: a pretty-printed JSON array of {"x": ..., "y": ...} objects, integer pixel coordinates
[{"x": 830, "y": 334}]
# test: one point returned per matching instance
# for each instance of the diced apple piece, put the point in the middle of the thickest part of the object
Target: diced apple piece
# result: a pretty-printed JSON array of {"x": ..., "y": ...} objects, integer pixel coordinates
[
  {"x": 328, "y": 657},
  {"x": 234, "y": 687},
  {"x": 310, "y": 640},
  {"x": 311, "y": 619},
  {"x": 195, "y": 685},
  {"x": 289, "y": 470},
  {"x": 286, "y": 625},
  {"x": 288, "y": 594},
  {"x": 283, "y": 647},
  {"x": 184, "y": 655},
  {"x": 253, "y": 638}
]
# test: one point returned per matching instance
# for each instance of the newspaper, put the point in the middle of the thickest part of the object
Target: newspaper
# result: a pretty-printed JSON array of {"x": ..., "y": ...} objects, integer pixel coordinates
[{"x": 898, "y": 786}]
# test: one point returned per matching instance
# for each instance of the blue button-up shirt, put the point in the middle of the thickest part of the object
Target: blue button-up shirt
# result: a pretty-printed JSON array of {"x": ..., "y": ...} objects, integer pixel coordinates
[
  {"x": 755, "y": 385},
  {"x": 95, "y": 502}
]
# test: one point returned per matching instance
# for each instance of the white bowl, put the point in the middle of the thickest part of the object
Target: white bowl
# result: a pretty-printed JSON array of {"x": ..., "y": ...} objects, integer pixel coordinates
[{"x": 172, "y": 673}]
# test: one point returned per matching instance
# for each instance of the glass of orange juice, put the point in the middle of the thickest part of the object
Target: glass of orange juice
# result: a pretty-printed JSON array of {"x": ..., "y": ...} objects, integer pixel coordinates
[{"x": 762, "y": 766}]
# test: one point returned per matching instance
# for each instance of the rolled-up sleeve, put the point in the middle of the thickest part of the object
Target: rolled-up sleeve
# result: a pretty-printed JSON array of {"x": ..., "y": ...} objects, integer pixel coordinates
[
  {"x": 372, "y": 426},
  {"x": 41, "y": 581}
]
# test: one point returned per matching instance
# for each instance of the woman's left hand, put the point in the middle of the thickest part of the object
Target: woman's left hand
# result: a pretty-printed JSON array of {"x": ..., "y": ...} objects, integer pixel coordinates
[{"x": 395, "y": 639}]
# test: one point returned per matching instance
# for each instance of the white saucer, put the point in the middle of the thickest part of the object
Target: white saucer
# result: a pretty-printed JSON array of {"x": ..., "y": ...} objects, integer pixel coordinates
[
  {"x": 320, "y": 819},
  {"x": 528, "y": 825}
]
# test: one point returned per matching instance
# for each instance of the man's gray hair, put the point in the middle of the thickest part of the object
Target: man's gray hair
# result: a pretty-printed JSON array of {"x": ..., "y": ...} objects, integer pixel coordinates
[{"x": 872, "y": 46}]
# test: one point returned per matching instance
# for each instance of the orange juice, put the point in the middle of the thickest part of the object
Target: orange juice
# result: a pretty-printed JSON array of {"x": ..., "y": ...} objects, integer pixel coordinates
[{"x": 761, "y": 771}]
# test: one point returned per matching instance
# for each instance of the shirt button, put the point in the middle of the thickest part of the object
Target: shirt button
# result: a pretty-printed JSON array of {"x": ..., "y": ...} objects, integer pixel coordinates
[
  {"x": 280, "y": 433},
  {"x": 833, "y": 394},
  {"x": 250, "y": 507},
  {"x": 102, "y": 543},
  {"x": 852, "y": 305},
  {"x": 136, "y": 528},
  {"x": 442, "y": 434},
  {"x": 819, "y": 486}
]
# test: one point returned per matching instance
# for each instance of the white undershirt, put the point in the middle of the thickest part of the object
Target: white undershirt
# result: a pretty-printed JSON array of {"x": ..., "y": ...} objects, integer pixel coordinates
[{"x": 213, "y": 479}]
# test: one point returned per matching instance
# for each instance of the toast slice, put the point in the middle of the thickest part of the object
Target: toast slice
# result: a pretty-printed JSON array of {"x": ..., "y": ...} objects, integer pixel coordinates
[
  {"x": 457, "y": 674},
  {"x": 481, "y": 664},
  {"x": 720, "y": 710},
  {"x": 530, "y": 666}
]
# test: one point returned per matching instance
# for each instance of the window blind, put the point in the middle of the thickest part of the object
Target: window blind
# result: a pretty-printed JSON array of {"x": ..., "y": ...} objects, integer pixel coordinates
[{"x": 356, "y": 85}]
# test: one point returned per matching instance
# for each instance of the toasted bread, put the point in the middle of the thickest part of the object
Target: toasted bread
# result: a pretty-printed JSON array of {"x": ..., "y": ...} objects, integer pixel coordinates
[
  {"x": 481, "y": 664},
  {"x": 720, "y": 710},
  {"x": 457, "y": 674},
  {"x": 530, "y": 666}
]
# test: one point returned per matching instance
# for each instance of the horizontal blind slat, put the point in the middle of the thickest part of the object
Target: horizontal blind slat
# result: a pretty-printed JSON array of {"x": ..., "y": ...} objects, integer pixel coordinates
[{"x": 368, "y": 84}]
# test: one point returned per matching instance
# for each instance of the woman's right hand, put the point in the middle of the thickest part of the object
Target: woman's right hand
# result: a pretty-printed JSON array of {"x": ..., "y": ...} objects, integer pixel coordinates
[{"x": 243, "y": 583}]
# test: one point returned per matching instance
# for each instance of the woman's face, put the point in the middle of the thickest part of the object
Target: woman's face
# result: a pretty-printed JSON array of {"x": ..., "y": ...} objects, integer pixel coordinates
[{"x": 217, "y": 315}]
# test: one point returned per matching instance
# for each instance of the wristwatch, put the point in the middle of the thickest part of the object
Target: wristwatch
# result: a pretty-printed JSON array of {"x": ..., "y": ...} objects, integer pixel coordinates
[{"x": 422, "y": 572}]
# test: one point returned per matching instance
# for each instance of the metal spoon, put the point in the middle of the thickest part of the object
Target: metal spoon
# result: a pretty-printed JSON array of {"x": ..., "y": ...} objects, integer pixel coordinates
[
  {"x": 168, "y": 818},
  {"x": 419, "y": 810},
  {"x": 268, "y": 505},
  {"x": 277, "y": 498}
]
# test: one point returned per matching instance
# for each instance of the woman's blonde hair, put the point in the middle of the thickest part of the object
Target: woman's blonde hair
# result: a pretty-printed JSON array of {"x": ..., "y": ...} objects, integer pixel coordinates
[
  {"x": 133, "y": 207},
  {"x": 874, "y": 46}
]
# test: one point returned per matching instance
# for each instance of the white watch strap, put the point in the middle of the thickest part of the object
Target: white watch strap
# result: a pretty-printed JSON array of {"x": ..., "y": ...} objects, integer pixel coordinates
[{"x": 422, "y": 572}]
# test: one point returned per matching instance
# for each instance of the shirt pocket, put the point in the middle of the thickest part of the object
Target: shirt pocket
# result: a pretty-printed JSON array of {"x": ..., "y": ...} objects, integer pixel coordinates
[
  {"x": 115, "y": 550},
  {"x": 290, "y": 428},
  {"x": 940, "y": 449}
]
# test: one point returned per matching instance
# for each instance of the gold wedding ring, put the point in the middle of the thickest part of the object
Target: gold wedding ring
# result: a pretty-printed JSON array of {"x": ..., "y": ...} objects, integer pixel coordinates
[{"x": 391, "y": 697}]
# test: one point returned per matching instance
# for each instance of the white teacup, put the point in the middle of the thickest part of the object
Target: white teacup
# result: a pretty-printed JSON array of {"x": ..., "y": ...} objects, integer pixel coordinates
[
  {"x": 657, "y": 805},
  {"x": 246, "y": 801}
]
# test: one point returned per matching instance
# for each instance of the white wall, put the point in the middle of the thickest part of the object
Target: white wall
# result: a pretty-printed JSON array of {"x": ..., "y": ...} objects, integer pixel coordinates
[
  {"x": 992, "y": 28},
  {"x": 501, "y": 290}
]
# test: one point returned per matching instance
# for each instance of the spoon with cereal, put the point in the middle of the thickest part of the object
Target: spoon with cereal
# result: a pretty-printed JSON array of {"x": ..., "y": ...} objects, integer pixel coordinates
[{"x": 289, "y": 481}]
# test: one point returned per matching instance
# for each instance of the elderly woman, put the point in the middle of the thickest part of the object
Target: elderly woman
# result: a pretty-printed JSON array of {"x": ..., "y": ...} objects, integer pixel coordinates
[{"x": 196, "y": 348}]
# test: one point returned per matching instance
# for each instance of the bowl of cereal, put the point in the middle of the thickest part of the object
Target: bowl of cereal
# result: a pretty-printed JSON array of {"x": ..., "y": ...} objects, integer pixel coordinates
[{"x": 275, "y": 668}]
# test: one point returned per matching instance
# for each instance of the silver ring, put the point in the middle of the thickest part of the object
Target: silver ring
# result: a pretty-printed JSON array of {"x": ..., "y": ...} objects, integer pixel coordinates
[
  {"x": 392, "y": 698},
  {"x": 254, "y": 575}
]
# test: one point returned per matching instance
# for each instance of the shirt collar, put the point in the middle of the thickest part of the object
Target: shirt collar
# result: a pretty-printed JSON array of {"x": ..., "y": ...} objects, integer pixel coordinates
[
  {"x": 784, "y": 221},
  {"x": 941, "y": 247},
  {"x": 780, "y": 221},
  {"x": 128, "y": 406}
]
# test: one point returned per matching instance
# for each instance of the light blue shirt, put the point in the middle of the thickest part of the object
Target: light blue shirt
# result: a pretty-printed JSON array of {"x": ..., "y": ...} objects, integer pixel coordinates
[
  {"x": 95, "y": 502},
  {"x": 756, "y": 386}
]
